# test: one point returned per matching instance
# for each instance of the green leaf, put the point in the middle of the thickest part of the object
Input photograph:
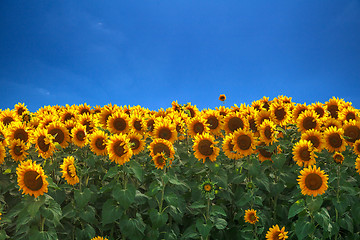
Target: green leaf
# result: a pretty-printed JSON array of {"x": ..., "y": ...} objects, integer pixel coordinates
[
  {"x": 82, "y": 198},
  {"x": 112, "y": 172},
  {"x": 279, "y": 160},
  {"x": 204, "y": 229},
  {"x": 137, "y": 170},
  {"x": 220, "y": 223},
  {"x": 303, "y": 228},
  {"x": 296, "y": 208},
  {"x": 110, "y": 212},
  {"x": 88, "y": 214},
  {"x": 133, "y": 228},
  {"x": 217, "y": 210},
  {"x": 197, "y": 205},
  {"x": 157, "y": 219},
  {"x": 173, "y": 199},
  {"x": 34, "y": 205},
  {"x": 190, "y": 232},
  {"x": 125, "y": 197},
  {"x": 346, "y": 222},
  {"x": 322, "y": 217},
  {"x": 245, "y": 198},
  {"x": 314, "y": 204}
]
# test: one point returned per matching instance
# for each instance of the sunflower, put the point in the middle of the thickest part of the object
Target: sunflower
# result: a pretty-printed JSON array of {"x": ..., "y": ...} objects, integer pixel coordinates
[
  {"x": 18, "y": 130},
  {"x": 223, "y": 111},
  {"x": 176, "y": 106},
  {"x": 118, "y": 123},
  {"x": 160, "y": 145},
  {"x": 98, "y": 140},
  {"x": 67, "y": 114},
  {"x": 331, "y": 122},
  {"x": 334, "y": 105},
  {"x": 313, "y": 181},
  {"x": 319, "y": 108},
  {"x": 267, "y": 132},
  {"x": 99, "y": 238},
  {"x": 250, "y": 216},
  {"x": 70, "y": 124},
  {"x": 244, "y": 142},
  {"x": 298, "y": 109},
  {"x": 18, "y": 149},
  {"x": 228, "y": 147},
  {"x": 349, "y": 113},
  {"x": 308, "y": 119},
  {"x": 235, "y": 121},
  {"x": 165, "y": 129},
  {"x": 334, "y": 141},
  {"x": 83, "y": 109},
  {"x": 3, "y": 133},
  {"x": 8, "y": 116},
  {"x": 208, "y": 189},
  {"x": 31, "y": 178},
  {"x": 351, "y": 131},
  {"x": 275, "y": 233},
  {"x": 264, "y": 154},
  {"x": 356, "y": 147},
  {"x": 20, "y": 108},
  {"x": 60, "y": 133},
  {"x": 261, "y": 116},
  {"x": 315, "y": 137},
  {"x": 279, "y": 113},
  {"x": 222, "y": 97},
  {"x": 137, "y": 143},
  {"x": 304, "y": 153},
  {"x": 191, "y": 110},
  {"x": 204, "y": 147},
  {"x": 44, "y": 142},
  {"x": 45, "y": 120},
  {"x": 87, "y": 120},
  {"x": 78, "y": 134},
  {"x": 118, "y": 148},
  {"x": 137, "y": 123},
  {"x": 257, "y": 105},
  {"x": 213, "y": 120},
  {"x": 149, "y": 122},
  {"x": 265, "y": 103},
  {"x": 160, "y": 160},
  {"x": 338, "y": 157},
  {"x": 105, "y": 114},
  {"x": 68, "y": 170},
  {"x": 2, "y": 153},
  {"x": 197, "y": 125},
  {"x": 357, "y": 164},
  {"x": 97, "y": 109}
]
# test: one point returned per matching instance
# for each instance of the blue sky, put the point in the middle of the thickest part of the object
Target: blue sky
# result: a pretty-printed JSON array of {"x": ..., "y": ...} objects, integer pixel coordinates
[{"x": 152, "y": 52}]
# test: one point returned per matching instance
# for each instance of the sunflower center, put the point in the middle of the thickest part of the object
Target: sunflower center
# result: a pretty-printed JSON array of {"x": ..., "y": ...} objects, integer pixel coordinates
[
  {"x": 99, "y": 143},
  {"x": 165, "y": 133},
  {"x": 252, "y": 124},
  {"x": 68, "y": 171},
  {"x": 33, "y": 180},
  {"x": 18, "y": 150},
  {"x": 266, "y": 105},
  {"x": 192, "y": 112},
  {"x": 267, "y": 132},
  {"x": 205, "y": 147},
  {"x": 338, "y": 158},
  {"x": 305, "y": 154},
  {"x": 118, "y": 148},
  {"x": 309, "y": 123},
  {"x": 207, "y": 187},
  {"x": 84, "y": 110},
  {"x": 58, "y": 134},
  {"x": 280, "y": 114},
  {"x": 252, "y": 218},
  {"x": 319, "y": 111},
  {"x": 350, "y": 116},
  {"x": 161, "y": 147},
  {"x": 265, "y": 153},
  {"x": 68, "y": 116},
  {"x": 313, "y": 181},
  {"x": 150, "y": 125},
  {"x": 243, "y": 142},
  {"x": 353, "y": 132},
  {"x": 213, "y": 122},
  {"x": 160, "y": 161},
  {"x": 358, "y": 147},
  {"x": 7, "y": 120},
  {"x": 137, "y": 125},
  {"x": 198, "y": 128},
  {"x": 21, "y": 134},
  {"x": 20, "y": 111},
  {"x": 335, "y": 140},
  {"x": 80, "y": 135},
  {"x": 235, "y": 123},
  {"x": 333, "y": 109},
  {"x": 314, "y": 140},
  {"x": 42, "y": 145},
  {"x": 119, "y": 124},
  {"x": 231, "y": 146},
  {"x": 135, "y": 143}
]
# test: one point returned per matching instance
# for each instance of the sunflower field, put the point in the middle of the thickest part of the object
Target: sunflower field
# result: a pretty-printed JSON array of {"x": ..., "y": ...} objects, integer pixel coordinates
[{"x": 274, "y": 169}]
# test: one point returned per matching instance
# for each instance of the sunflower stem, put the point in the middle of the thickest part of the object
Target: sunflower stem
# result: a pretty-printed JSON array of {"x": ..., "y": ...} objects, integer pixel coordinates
[
  {"x": 162, "y": 191},
  {"x": 255, "y": 231},
  {"x": 42, "y": 223}
]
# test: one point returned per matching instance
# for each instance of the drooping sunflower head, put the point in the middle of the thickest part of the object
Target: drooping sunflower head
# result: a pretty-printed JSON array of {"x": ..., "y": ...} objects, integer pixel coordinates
[
  {"x": 222, "y": 97},
  {"x": 204, "y": 147},
  {"x": 250, "y": 216},
  {"x": 60, "y": 133},
  {"x": 304, "y": 153},
  {"x": 307, "y": 120},
  {"x": 98, "y": 140},
  {"x": 351, "y": 131},
  {"x": 18, "y": 150},
  {"x": 235, "y": 121},
  {"x": 44, "y": 142},
  {"x": 119, "y": 149},
  {"x": 264, "y": 154},
  {"x": 315, "y": 137},
  {"x": 78, "y": 134},
  {"x": 275, "y": 233},
  {"x": 338, "y": 157},
  {"x": 313, "y": 181},
  {"x": 197, "y": 125},
  {"x": 267, "y": 132},
  {"x": 334, "y": 141},
  {"x": 165, "y": 129},
  {"x": 191, "y": 110},
  {"x": 244, "y": 142},
  {"x": 118, "y": 123},
  {"x": 68, "y": 170},
  {"x": 137, "y": 143},
  {"x": 31, "y": 178}
]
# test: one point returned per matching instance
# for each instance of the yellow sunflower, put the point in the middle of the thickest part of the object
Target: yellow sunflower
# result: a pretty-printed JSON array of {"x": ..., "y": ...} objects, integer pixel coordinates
[
  {"x": 213, "y": 119},
  {"x": 3, "y": 133},
  {"x": 78, "y": 134},
  {"x": 18, "y": 130},
  {"x": 334, "y": 141},
  {"x": 235, "y": 121},
  {"x": 160, "y": 145},
  {"x": 45, "y": 120},
  {"x": 150, "y": 122},
  {"x": 18, "y": 150},
  {"x": 304, "y": 153},
  {"x": 265, "y": 103},
  {"x": 351, "y": 131},
  {"x": 308, "y": 119},
  {"x": 165, "y": 129},
  {"x": 334, "y": 105},
  {"x": 105, "y": 114},
  {"x": 250, "y": 216},
  {"x": 319, "y": 108},
  {"x": 176, "y": 106},
  {"x": 222, "y": 97},
  {"x": 31, "y": 178},
  {"x": 68, "y": 170},
  {"x": 99, "y": 238},
  {"x": 137, "y": 144},
  {"x": 349, "y": 113},
  {"x": 98, "y": 140},
  {"x": 261, "y": 117},
  {"x": 191, "y": 110},
  {"x": 313, "y": 181},
  {"x": 197, "y": 125},
  {"x": 315, "y": 137},
  {"x": 119, "y": 149},
  {"x": 20, "y": 108},
  {"x": 8, "y": 116},
  {"x": 298, "y": 109},
  {"x": 84, "y": 109},
  {"x": 228, "y": 147},
  {"x": 331, "y": 122},
  {"x": 356, "y": 147},
  {"x": 204, "y": 147},
  {"x": 275, "y": 233},
  {"x": 60, "y": 133},
  {"x": 137, "y": 123},
  {"x": 67, "y": 114},
  {"x": 244, "y": 142},
  {"x": 257, "y": 105},
  {"x": 223, "y": 111},
  {"x": 280, "y": 113},
  {"x": 118, "y": 123},
  {"x": 160, "y": 160},
  {"x": 267, "y": 132},
  {"x": 87, "y": 120},
  {"x": 338, "y": 157},
  {"x": 44, "y": 142},
  {"x": 2, "y": 153},
  {"x": 263, "y": 153},
  {"x": 357, "y": 164}
]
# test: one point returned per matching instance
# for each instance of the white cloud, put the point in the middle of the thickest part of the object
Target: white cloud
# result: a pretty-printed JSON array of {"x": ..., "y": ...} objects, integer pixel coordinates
[{"x": 43, "y": 91}]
